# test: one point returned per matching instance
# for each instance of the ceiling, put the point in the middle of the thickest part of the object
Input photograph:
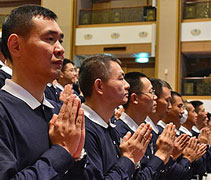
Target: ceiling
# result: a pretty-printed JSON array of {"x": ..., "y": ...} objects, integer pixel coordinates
[{"x": 13, "y": 3}]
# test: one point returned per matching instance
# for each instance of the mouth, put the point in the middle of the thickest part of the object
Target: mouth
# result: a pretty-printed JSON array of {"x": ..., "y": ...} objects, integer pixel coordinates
[
  {"x": 58, "y": 62},
  {"x": 126, "y": 95}
]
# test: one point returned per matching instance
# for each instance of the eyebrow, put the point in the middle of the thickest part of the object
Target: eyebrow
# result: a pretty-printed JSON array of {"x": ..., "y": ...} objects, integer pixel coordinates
[{"x": 61, "y": 35}]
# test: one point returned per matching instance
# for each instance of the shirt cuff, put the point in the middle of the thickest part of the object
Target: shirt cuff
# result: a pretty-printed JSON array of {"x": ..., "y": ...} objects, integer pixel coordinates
[{"x": 60, "y": 159}]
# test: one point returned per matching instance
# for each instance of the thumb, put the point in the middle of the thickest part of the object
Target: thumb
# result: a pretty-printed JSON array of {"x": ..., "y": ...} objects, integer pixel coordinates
[
  {"x": 52, "y": 122},
  {"x": 126, "y": 137}
]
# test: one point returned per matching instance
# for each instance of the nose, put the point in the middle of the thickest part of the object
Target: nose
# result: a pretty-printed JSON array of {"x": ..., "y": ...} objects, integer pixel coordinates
[
  {"x": 182, "y": 110},
  {"x": 169, "y": 105},
  {"x": 154, "y": 97},
  {"x": 127, "y": 85},
  {"x": 59, "y": 50}
]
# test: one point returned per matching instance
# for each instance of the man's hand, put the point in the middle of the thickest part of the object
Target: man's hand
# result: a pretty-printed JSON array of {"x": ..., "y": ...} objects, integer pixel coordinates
[
  {"x": 203, "y": 137},
  {"x": 67, "y": 129},
  {"x": 190, "y": 151},
  {"x": 118, "y": 112},
  {"x": 179, "y": 145},
  {"x": 68, "y": 91},
  {"x": 201, "y": 150},
  {"x": 135, "y": 147},
  {"x": 165, "y": 143}
]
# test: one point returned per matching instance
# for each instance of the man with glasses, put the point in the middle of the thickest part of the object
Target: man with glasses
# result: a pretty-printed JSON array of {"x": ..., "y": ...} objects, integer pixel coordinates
[
  {"x": 67, "y": 75},
  {"x": 142, "y": 102}
]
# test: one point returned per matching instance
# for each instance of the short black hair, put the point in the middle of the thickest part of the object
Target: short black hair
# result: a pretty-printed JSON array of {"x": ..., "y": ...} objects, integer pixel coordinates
[
  {"x": 92, "y": 68},
  {"x": 173, "y": 94},
  {"x": 209, "y": 116},
  {"x": 20, "y": 22},
  {"x": 66, "y": 61},
  {"x": 196, "y": 105},
  {"x": 136, "y": 85},
  {"x": 158, "y": 85}
]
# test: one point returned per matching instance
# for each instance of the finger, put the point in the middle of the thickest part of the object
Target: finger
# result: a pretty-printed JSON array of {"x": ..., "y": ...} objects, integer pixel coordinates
[
  {"x": 191, "y": 142},
  {"x": 146, "y": 135},
  {"x": 62, "y": 110},
  {"x": 182, "y": 137},
  {"x": 169, "y": 132},
  {"x": 51, "y": 123},
  {"x": 148, "y": 141},
  {"x": 179, "y": 139},
  {"x": 126, "y": 137},
  {"x": 184, "y": 141},
  {"x": 142, "y": 133},
  {"x": 138, "y": 131},
  {"x": 73, "y": 107},
  {"x": 80, "y": 120},
  {"x": 203, "y": 147}
]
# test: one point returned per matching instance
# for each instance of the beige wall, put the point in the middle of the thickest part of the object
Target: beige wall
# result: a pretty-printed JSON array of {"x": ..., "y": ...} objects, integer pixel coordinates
[
  {"x": 6, "y": 10},
  {"x": 167, "y": 41},
  {"x": 64, "y": 11}
]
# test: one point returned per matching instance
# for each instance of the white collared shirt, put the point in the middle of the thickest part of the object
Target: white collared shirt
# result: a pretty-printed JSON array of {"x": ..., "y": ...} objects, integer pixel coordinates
[
  {"x": 129, "y": 121},
  {"x": 162, "y": 124},
  {"x": 19, "y": 92},
  {"x": 194, "y": 128},
  {"x": 185, "y": 130},
  {"x": 6, "y": 69},
  {"x": 154, "y": 127},
  {"x": 94, "y": 117},
  {"x": 59, "y": 86}
]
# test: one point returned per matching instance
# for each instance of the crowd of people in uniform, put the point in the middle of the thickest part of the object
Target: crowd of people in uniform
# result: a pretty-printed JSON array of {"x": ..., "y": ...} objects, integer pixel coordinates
[{"x": 97, "y": 124}]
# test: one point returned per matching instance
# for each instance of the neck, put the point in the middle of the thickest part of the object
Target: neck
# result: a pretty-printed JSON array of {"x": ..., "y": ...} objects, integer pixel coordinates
[
  {"x": 170, "y": 119},
  {"x": 137, "y": 117},
  {"x": 35, "y": 87},
  {"x": 199, "y": 126},
  {"x": 154, "y": 118},
  {"x": 103, "y": 110},
  {"x": 187, "y": 125}
]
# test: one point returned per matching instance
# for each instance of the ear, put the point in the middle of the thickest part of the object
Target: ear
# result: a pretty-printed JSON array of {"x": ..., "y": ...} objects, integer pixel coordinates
[
  {"x": 134, "y": 98},
  {"x": 98, "y": 85},
  {"x": 13, "y": 44}
]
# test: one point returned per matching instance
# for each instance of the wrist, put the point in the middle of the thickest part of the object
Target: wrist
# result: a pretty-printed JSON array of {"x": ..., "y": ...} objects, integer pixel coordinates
[
  {"x": 163, "y": 156},
  {"x": 82, "y": 155},
  {"x": 188, "y": 158}
]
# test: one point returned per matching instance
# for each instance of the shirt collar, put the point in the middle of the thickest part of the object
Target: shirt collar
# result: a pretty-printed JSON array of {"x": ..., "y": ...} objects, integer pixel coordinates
[
  {"x": 129, "y": 121},
  {"x": 59, "y": 86},
  {"x": 177, "y": 132},
  {"x": 1, "y": 63},
  {"x": 19, "y": 92},
  {"x": 6, "y": 69},
  {"x": 194, "y": 128},
  {"x": 185, "y": 130},
  {"x": 94, "y": 117},
  {"x": 154, "y": 127},
  {"x": 162, "y": 124}
]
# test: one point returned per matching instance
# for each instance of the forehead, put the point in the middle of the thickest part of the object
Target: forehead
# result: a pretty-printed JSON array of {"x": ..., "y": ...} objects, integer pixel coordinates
[
  {"x": 146, "y": 82},
  {"x": 45, "y": 25},
  {"x": 190, "y": 107},
  {"x": 69, "y": 66},
  {"x": 201, "y": 108},
  {"x": 177, "y": 100},
  {"x": 166, "y": 93},
  {"x": 115, "y": 68}
]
